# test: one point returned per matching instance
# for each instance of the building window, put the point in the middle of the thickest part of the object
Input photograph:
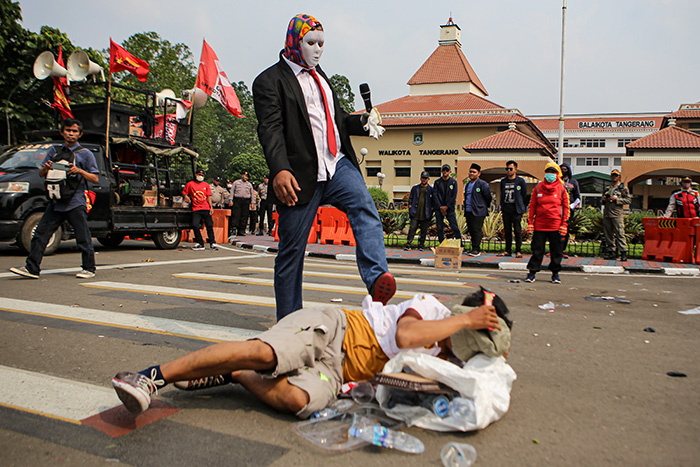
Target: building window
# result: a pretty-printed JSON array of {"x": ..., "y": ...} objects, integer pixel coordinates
[
  {"x": 592, "y": 161},
  {"x": 373, "y": 168},
  {"x": 435, "y": 172},
  {"x": 555, "y": 143},
  {"x": 617, "y": 161},
  {"x": 622, "y": 142},
  {"x": 592, "y": 143},
  {"x": 567, "y": 160},
  {"x": 402, "y": 171},
  {"x": 694, "y": 127}
]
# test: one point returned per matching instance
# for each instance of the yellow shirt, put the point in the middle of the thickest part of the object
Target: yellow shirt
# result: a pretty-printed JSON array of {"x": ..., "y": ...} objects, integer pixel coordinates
[{"x": 363, "y": 356}]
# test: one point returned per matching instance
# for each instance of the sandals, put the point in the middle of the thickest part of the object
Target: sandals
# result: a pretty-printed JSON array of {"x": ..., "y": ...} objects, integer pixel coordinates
[
  {"x": 505, "y": 253},
  {"x": 518, "y": 255}
]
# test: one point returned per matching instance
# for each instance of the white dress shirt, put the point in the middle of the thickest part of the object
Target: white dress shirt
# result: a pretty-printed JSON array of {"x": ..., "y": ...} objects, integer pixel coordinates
[{"x": 317, "y": 117}]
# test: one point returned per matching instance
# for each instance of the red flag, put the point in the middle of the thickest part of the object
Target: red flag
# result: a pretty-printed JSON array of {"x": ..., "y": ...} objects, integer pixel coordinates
[
  {"x": 212, "y": 80},
  {"x": 60, "y": 100},
  {"x": 120, "y": 59}
]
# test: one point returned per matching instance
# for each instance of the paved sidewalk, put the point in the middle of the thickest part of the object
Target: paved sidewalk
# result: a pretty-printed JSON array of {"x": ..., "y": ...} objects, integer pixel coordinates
[{"x": 486, "y": 260}]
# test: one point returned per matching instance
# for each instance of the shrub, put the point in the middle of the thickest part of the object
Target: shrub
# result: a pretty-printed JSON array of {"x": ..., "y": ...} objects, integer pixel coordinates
[
  {"x": 378, "y": 195},
  {"x": 393, "y": 220}
]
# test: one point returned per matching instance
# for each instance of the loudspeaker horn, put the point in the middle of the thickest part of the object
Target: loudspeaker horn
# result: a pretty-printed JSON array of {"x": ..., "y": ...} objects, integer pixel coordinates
[
  {"x": 165, "y": 94},
  {"x": 80, "y": 66},
  {"x": 196, "y": 96},
  {"x": 45, "y": 66}
]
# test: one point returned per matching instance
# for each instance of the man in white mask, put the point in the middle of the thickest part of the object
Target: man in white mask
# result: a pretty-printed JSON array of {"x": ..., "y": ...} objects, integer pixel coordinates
[
  {"x": 305, "y": 136},
  {"x": 197, "y": 192}
]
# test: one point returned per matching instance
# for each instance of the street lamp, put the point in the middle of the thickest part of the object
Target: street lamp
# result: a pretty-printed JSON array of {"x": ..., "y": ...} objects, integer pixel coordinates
[{"x": 381, "y": 177}]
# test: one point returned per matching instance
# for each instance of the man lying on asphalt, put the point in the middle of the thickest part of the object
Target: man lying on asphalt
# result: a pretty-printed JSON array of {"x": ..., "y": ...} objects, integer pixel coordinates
[{"x": 300, "y": 364}]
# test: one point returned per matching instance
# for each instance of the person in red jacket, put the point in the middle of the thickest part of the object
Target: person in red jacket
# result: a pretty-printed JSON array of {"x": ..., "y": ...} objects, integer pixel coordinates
[
  {"x": 547, "y": 220},
  {"x": 198, "y": 193}
]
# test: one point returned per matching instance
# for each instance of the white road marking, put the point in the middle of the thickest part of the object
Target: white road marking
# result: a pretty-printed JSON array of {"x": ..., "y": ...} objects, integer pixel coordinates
[
  {"x": 399, "y": 270},
  {"x": 270, "y": 282},
  {"x": 401, "y": 280},
  {"x": 143, "y": 264},
  {"x": 54, "y": 397},
  {"x": 191, "y": 293},
  {"x": 202, "y": 331}
]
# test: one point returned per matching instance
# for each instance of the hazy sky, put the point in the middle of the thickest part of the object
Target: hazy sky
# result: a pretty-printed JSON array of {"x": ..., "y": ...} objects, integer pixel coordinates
[{"x": 621, "y": 55}]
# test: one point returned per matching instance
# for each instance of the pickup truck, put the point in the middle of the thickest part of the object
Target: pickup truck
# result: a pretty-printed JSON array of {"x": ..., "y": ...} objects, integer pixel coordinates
[{"x": 138, "y": 194}]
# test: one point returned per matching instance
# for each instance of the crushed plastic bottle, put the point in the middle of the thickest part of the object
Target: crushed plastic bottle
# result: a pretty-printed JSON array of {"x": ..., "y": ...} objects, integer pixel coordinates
[
  {"x": 462, "y": 408},
  {"x": 362, "y": 393},
  {"x": 325, "y": 413},
  {"x": 458, "y": 455},
  {"x": 372, "y": 432}
]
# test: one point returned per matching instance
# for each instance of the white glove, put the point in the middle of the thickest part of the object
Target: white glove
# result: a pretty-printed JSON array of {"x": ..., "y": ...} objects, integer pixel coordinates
[{"x": 373, "y": 124}]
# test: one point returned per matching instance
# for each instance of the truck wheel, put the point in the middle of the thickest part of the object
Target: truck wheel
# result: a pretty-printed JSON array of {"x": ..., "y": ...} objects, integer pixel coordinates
[
  {"x": 27, "y": 232},
  {"x": 111, "y": 240},
  {"x": 167, "y": 240}
]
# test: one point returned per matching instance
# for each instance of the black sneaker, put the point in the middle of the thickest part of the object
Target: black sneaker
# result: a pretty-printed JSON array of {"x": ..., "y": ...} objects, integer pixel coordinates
[
  {"x": 198, "y": 247},
  {"x": 475, "y": 253},
  {"x": 408, "y": 248},
  {"x": 530, "y": 277},
  {"x": 214, "y": 246},
  {"x": 134, "y": 390},
  {"x": 623, "y": 256},
  {"x": 24, "y": 273},
  {"x": 202, "y": 383},
  {"x": 555, "y": 278}
]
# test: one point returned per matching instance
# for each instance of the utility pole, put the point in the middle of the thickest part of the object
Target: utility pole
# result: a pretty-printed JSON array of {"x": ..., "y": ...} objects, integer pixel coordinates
[{"x": 560, "y": 152}]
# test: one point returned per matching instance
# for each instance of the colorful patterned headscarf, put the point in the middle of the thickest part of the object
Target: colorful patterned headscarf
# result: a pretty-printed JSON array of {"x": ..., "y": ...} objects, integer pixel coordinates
[{"x": 298, "y": 27}]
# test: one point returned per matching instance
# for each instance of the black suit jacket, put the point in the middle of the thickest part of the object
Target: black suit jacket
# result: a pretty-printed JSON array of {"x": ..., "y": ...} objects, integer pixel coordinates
[{"x": 284, "y": 128}]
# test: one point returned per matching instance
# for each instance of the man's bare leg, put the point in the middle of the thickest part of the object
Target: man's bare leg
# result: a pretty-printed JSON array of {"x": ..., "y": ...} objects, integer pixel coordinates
[{"x": 219, "y": 359}]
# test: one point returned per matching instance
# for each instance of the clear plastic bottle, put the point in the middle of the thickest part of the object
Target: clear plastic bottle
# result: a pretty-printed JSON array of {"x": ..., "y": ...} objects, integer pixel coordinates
[
  {"x": 372, "y": 432},
  {"x": 462, "y": 408}
]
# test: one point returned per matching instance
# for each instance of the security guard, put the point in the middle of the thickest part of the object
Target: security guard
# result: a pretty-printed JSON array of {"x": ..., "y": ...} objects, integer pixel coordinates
[{"x": 685, "y": 202}]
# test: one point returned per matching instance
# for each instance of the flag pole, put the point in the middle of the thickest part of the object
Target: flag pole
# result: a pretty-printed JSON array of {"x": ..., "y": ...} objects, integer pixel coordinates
[
  {"x": 196, "y": 79},
  {"x": 109, "y": 104}
]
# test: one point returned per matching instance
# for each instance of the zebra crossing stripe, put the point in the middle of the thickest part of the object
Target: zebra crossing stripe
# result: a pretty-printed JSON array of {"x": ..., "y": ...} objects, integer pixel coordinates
[
  {"x": 167, "y": 326},
  {"x": 269, "y": 282}
]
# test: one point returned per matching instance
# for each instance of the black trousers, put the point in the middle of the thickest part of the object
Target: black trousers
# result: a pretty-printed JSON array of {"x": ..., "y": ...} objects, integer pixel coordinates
[
  {"x": 197, "y": 218},
  {"x": 539, "y": 239},
  {"x": 265, "y": 210},
  {"x": 511, "y": 224},
  {"x": 475, "y": 226},
  {"x": 565, "y": 238},
  {"x": 239, "y": 216},
  {"x": 414, "y": 225}
]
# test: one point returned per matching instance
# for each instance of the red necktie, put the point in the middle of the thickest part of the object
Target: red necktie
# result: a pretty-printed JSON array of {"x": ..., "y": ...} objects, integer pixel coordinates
[{"x": 330, "y": 134}]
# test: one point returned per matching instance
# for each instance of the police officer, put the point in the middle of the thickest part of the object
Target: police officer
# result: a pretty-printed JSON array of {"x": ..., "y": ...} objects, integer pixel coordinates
[{"x": 615, "y": 197}]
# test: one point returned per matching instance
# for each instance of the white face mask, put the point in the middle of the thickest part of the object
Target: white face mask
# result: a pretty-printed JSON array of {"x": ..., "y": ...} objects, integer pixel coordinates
[
  {"x": 312, "y": 47},
  {"x": 199, "y": 178},
  {"x": 229, "y": 186}
]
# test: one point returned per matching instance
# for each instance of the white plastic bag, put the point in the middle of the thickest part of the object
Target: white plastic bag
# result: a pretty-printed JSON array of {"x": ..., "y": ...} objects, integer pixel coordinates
[{"x": 487, "y": 381}]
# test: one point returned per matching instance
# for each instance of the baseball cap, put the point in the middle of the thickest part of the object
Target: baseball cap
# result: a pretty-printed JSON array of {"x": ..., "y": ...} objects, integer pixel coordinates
[
  {"x": 615, "y": 172},
  {"x": 199, "y": 171},
  {"x": 424, "y": 174},
  {"x": 686, "y": 179},
  {"x": 446, "y": 167}
]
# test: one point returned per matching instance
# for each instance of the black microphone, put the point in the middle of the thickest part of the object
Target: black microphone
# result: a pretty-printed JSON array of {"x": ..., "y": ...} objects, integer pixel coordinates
[{"x": 364, "y": 92}]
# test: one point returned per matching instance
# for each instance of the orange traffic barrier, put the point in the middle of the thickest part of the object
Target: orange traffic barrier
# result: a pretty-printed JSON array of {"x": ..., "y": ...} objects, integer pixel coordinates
[
  {"x": 335, "y": 227},
  {"x": 696, "y": 224},
  {"x": 220, "y": 220},
  {"x": 668, "y": 239},
  {"x": 313, "y": 233}
]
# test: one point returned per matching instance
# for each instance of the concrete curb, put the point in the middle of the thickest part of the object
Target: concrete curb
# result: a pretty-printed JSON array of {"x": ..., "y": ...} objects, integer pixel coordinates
[{"x": 502, "y": 265}]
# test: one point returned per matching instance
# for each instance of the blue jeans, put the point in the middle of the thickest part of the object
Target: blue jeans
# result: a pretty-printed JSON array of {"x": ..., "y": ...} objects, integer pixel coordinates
[
  {"x": 440, "y": 224},
  {"x": 48, "y": 224},
  {"x": 346, "y": 191}
]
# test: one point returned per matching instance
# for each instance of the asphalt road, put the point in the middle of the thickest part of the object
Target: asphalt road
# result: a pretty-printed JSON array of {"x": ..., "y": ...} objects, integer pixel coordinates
[{"x": 592, "y": 386}]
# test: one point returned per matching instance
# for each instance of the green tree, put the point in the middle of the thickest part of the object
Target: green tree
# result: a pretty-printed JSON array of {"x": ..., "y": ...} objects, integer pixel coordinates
[{"x": 341, "y": 86}]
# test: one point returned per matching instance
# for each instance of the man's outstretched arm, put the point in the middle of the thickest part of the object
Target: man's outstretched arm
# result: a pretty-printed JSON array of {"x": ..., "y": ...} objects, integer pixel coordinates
[{"x": 413, "y": 332}]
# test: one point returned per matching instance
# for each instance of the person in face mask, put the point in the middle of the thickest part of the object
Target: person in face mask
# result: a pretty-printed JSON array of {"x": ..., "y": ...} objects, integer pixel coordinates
[
  {"x": 198, "y": 193},
  {"x": 305, "y": 136},
  {"x": 547, "y": 221}
]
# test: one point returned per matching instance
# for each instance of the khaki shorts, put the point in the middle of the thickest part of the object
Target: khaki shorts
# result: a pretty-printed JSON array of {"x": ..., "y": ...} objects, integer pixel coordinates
[{"x": 308, "y": 345}]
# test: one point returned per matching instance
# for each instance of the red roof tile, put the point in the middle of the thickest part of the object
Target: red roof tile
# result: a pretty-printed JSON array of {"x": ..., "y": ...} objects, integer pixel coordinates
[
  {"x": 445, "y": 109},
  {"x": 510, "y": 139},
  {"x": 686, "y": 111},
  {"x": 671, "y": 137},
  {"x": 447, "y": 65}
]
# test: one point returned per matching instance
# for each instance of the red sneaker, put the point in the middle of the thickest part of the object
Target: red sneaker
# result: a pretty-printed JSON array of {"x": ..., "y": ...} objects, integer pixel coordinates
[{"x": 383, "y": 288}]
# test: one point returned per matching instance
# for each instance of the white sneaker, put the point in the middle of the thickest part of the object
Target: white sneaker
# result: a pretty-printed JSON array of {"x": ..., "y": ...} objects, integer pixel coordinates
[
  {"x": 85, "y": 274},
  {"x": 198, "y": 247},
  {"x": 23, "y": 272},
  {"x": 214, "y": 246}
]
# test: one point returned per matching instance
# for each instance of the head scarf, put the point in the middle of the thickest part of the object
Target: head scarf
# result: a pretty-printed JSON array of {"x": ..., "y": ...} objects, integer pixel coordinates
[
  {"x": 553, "y": 165},
  {"x": 297, "y": 29}
]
